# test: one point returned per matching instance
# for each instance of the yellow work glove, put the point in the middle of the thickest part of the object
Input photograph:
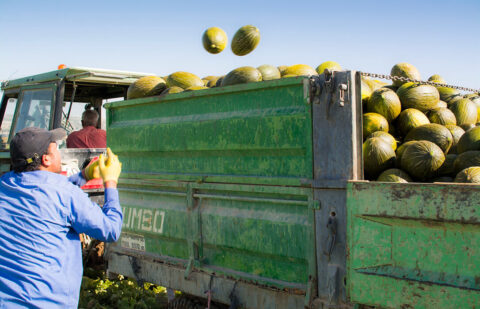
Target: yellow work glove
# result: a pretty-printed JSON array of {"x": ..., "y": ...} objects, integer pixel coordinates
[
  {"x": 92, "y": 171},
  {"x": 110, "y": 167}
]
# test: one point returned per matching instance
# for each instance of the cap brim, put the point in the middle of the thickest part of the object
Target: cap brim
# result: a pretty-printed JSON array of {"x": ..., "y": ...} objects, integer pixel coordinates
[{"x": 58, "y": 134}]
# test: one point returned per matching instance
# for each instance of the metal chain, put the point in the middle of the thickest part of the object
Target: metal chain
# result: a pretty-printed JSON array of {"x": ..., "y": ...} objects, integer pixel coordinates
[{"x": 406, "y": 79}]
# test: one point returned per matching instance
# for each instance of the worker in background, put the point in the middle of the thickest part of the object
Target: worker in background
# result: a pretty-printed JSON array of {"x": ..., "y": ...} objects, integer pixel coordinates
[
  {"x": 42, "y": 214},
  {"x": 89, "y": 136}
]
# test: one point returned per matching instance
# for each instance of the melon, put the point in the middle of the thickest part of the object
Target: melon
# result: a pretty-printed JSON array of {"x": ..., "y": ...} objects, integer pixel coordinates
[
  {"x": 469, "y": 175},
  {"x": 330, "y": 65},
  {"x": 404, "y": 70},
  {"x": 245, "y": 40},
  {"x": 465, "y": 112},
  {"x": 418, "y": 96},
  {"x": 448, "y": 166},
  {"x": 457, "y": 133},
  {"x": 173, "y": 89},
  {"x": 434, "y": 133},
  {"x": 436, "y": 79},
  {"x": 394, "y": 175},
  {"x": 409, "y": 119},
  {"x": 373, "y": 122},
  {"x": 386, "y": 137},
  {"x": 384, "y": 102},
  {"x": 183, "y": 80},
  {"x": 269, "y": 72},
  {"x": 469, "y": 141},
  {"x": 214, "y": 40},
  {"x": 466, "y": 159},
  {"x": 242, "y": 75},
  {"x": 193, "y": 88},
  {"x": 401, "y": 149},
  {"x": 447, "y": 94},
  {"x": 422, "y": 159},
  {"x": 146, "y": 86},
  {"x": 378, "y": 156},
  {"x": 300, "y": 70},
  {"x": 442, "y": 116}
]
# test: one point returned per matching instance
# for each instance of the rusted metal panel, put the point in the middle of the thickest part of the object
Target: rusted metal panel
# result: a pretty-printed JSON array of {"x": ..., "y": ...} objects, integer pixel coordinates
[
  {"x": 414, "y": 245},
  {"x": 223, "y": 289}
]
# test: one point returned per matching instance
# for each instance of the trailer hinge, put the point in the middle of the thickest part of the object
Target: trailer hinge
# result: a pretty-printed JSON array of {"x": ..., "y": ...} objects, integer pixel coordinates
[
  {"x": 332, "y": 236},
  {"x": 342, "y": 88},
  {"x": 315, "y": 89},
  {"x": 329, "y": 80}
]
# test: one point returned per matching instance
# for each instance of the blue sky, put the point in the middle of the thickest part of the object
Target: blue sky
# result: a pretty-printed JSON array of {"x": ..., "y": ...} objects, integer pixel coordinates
[{"x": 161, "y": 37}]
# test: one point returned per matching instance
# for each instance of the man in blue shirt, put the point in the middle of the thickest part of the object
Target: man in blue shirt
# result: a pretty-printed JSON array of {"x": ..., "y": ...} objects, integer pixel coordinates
[{"x": 42, "y": 214}]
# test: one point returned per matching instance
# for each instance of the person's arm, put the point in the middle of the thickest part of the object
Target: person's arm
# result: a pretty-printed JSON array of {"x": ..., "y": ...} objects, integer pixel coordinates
[
  {"x": 78, "y": 179},
  {"x": 101, "y": 223},
  {"x": 88, "y": 173},
  {"x": 87, "y": 217}
]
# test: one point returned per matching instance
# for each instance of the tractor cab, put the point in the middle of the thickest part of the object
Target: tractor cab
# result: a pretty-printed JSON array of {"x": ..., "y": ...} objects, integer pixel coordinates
[{"x": 57, "y": 99}]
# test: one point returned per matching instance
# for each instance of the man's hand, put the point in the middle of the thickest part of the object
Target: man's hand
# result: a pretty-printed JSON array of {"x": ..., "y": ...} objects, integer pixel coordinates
[
  {"x": 92, "y": 171},
  {"x": 110, "y": 168}
]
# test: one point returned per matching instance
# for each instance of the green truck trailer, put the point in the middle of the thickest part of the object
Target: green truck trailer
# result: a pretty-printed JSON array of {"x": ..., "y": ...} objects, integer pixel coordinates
[{"x": 253, "y": 195}]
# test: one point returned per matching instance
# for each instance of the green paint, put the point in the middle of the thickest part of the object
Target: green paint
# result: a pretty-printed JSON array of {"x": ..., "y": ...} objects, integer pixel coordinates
[
  {"x": 413, "y": 245},
  {"x": 261, "y": 134},
  {"x": 253, "y": 232}
]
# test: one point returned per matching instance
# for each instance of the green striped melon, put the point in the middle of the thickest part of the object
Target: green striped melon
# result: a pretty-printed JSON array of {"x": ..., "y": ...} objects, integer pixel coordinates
[
  {"x": 183, "y": 80},
  {"x": 242, "y": 75},
  {"x": 404, "y": 70},
  {"x": 146, "y": 86},
  {"x": 245, "y": 40}
]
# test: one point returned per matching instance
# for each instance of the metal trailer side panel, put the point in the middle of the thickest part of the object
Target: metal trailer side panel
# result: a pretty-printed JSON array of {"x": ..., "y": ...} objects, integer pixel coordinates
[
  {"x": 250, "y": 133},
  {"x": 414, "y": 245},
  {"x": 224, "y": 289},
  {"x": 259, "y": 236}
]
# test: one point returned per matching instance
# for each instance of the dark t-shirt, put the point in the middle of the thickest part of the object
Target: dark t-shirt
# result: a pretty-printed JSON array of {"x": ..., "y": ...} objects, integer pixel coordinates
[{"x": 88, "y": 137}]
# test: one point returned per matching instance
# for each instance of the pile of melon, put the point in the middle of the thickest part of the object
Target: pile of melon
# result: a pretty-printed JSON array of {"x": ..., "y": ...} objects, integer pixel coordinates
[
  {"x": 184, "y": 81},
  {"x": 418, "y": 132},
  {"x": 411, "y": 131}
]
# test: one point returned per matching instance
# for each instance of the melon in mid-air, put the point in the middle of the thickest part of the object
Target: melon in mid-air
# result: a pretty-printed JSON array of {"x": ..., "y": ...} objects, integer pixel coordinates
[
  {"x": 214, "y": 40},
  {"x": 245, "y": 40}
]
